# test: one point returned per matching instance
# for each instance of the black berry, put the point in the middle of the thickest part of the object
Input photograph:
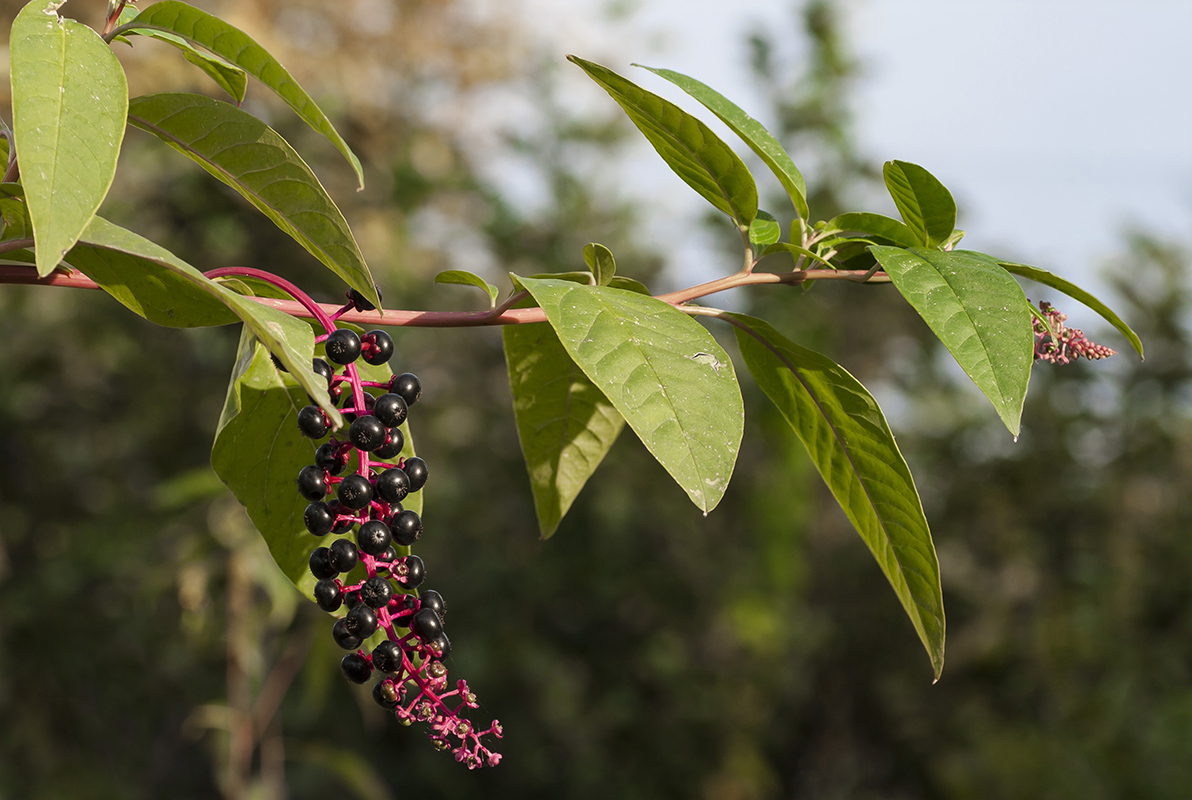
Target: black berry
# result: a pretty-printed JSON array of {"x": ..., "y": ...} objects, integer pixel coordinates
[
  {"x": 440, "y": 647},
  {"x": 342, "y": 346},
  {"x": 362, "y": 622},
  {"x": 408, "y": 603},
  {"x": 376, "y": 592},
  {"x": 343, "y": 555},
  {"x": 355, "y": 492},
  {"x": 367, "y": 433},
  {"x": 342, "y": 636},
  {"x": 341, "y": 525},
  {"x": 352, "y": 599},
  {"x": 356, "y": 668},
  {"x": 373, "y": 537},
  {"x": 312, "y": 422},
  {"x": 312, "y": 483},
  {"x": 385, "y": 695},
  {"x": 359, "y": 301},
  {"x": 389, "y": 554},
  {"x": 426, "y": 624},
  {"x": 381, "y": 350},
  {"x": 407, "y": 527},
  {"x": 393, "y": 485},
  {"x": 434, "y": 601},
  {"x": 391, "y": 409},
  {"x": 329, "y": 458},
  {"x": 415, "y": 572},
  {"x": 320, "y": 564},
  {"x": 408, "y": 386},
  {"x": 416, "y": 471},
  {"x": 395, "y": 440},
  {"x": 319, "y": 519},
  {"x": 387, "y": 656},
  {"x": 328, "y": 595}
]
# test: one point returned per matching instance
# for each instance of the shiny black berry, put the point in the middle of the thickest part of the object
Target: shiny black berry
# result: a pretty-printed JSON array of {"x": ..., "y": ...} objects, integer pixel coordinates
[
  {"x": 382, "y": 349},
  {"x": 407, "y": 527},
  {"x": 356, "y": 668},
  {"x": 408, "y": 386},
  {"x": 329, "y": 458},
  {"x": 376, "y": 592},
  {"x": 328, "y": 595},
  {"x": 319, "y": 519},
  {"x": 352, "y": 599},
  {"x": 434, "y": 601},
  {"x": 312, "y": 422},
  {"x": 415, "y": 572},
  {"x": 426, "y": 624},
  {"x": 390, "y": 554},
  {"x": 343, "y": 555},
  {"x": 367, "y": 433},
  {"x": 408, "y": 603},
  {"x": 395, "y": 440},
  {"x": 416, "y": 471},
  {"x": 312, "y": 483},
  {"x": 321, "y": 367},
  {"x": 320, "y": 564},
  {"x": 374, "y": 537},
  {"x": 355, "y": 492},
  {"x": 342, "y": 346},
  {"x": 385, "y": 695},
  {"x": 393, "y": 485},
  {"x": 359, "y": 301},
  {"x": 440, "y": 647},
  {"x": 342, "y": 636},
  {"x": 391, "y": 409},
  {"x": 387, "y": 656},
  {"x": 341, "y": 525},
  {"x": 362, "y": 621}
]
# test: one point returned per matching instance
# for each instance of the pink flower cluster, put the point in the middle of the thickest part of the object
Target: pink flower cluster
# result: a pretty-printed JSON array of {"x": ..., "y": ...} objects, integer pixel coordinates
[{"x": 1063, "y": 345}]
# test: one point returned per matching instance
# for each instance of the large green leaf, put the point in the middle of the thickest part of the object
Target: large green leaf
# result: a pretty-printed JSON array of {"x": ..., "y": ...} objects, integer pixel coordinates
[
  {"x": 259, "y": 451},
  {"x": 229, "y": 77},
  {"x": 566, "y": 425},
  {"x": 1076, "y": 293},
  {"x": 878, "y": 225},
  {"x": 752, "y": 132},
  {"x": 237, "y": 47},
  {"x": 978, "y": 311},
  {"x": 252, "y": 158},
  {"x": 151, "y": 281},
  {"x": 688, "y": 146},
  {"x": 848, "y": 439},
  {"x": 69, "y": 99},
  {"x": 661, "y": 370},
  {"x": 926, "y": 206}
]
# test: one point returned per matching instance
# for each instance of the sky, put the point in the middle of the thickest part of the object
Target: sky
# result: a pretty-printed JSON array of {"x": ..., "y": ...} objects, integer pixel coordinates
[{"x": 1057, "y": 124}]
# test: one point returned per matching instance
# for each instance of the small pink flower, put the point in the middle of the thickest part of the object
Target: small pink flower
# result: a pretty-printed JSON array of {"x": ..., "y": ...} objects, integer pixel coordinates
[{"x": 1064, "y": 345}]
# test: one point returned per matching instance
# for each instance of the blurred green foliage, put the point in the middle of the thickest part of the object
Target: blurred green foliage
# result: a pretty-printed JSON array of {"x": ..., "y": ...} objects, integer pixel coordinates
[{"x": 644, "y": 651}]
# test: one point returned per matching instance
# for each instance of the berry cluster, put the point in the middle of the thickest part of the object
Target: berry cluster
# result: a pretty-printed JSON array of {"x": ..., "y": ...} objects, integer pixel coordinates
[
  {"x": 412, "y": 678},
  {"x": 1063, "y": 345}
]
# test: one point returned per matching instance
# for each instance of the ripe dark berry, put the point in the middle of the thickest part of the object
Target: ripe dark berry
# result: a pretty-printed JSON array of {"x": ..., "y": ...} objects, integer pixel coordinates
[
  {"x": 426, "y": 624},
  {"x": 440, "y": 647},
  {"x": 342, "y": 636},
  {"x": 387, "y": 656},
  {"x": 389, "y": 554},
  {"x": 381, "y": 350},
  {"x": 319, "y": 519},
  {"x": 385, "y": 695},
  {"x": 328, "y": 457},
  {"x": 358, "y": 300},
  {"x": 341, "y": 525},
  {"x": 328, "y": 595},
  {"x": 343, "y": 555},
  {"x": 409, "y": 603},
  {"x": 362, "y": 622},
  {"x": 342, "y": 346},
  {"x": 352, "y": 599},
  {"x": 415, "y": 572},
  {"x": 321, "y": 367},
  {"x": 393, "y": 485},
  {"x": 416, "y": 471},
  {"x": 395, "y": 440},
  {"x": 320, "y": 564},
  {"x": 391, "y": 409},
  {"x": 312, "y": 483},
  {"x": 373, "y": 537},
  {"x": 408, "y": 386},
  {"x": 312, "y": 422},
  {"x": 355, "y": 492},
  {"x": 407, "y": 527},
  {"x": 356, "y": 668},
  {"x": 433, "y": 600},
  {"x": 376, "y": 592},
  {"x": 367, "y": 433}
]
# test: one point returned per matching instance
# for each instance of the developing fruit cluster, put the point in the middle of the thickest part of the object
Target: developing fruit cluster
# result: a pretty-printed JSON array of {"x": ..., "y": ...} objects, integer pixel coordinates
[{"x": 408, "y": 663}]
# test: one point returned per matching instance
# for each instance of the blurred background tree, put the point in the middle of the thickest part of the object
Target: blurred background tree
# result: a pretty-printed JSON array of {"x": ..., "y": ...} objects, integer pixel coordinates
[{"x": 643, "y": 651}]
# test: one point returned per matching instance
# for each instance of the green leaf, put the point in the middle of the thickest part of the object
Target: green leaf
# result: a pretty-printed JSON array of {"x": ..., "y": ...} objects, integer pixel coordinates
[
  {"x": 69, "y": 98},
  {"x": 238, "y": 48},
  {"x": 248, "y": 155},
  {"x": 229, "y": 77},
  {"x": 764, "y": 229},
  {"x": 760, "y": 140},
  {"x": 878, "y": 225},
  {"x": 601, "y": 262},
  {"x": 926, "y": 206},
  {"x": 795, "y": 251},
  {"x": 1076, "y": 293},
  {"x": 565, "y": 424},
  {"x": 629, "y": 285},
  {"x": 464, "y": 278},
  {"x": 976, "y": 309},
  {"x": 851, "y": 445},
  {"x": 662, "y": 371},
  {"x": 688, "y": 146},
  {"x": 259, "y": 451},
  {"x": 154, "y": 283}
]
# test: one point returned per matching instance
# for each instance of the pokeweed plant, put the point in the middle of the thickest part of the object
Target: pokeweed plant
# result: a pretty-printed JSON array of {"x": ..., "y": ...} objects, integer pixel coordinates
[{"x": 588, "y": 352}]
